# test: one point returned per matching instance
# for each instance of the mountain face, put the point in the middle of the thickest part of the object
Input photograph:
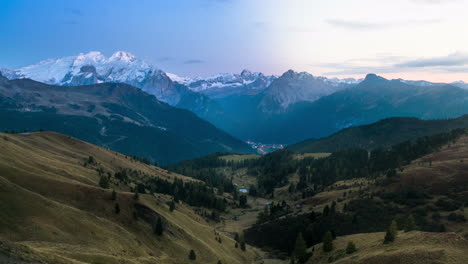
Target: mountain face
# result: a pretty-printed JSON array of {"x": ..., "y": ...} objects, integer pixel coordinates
[
  {"x": 293, "y": 87},
  {"x": 118, "y": 116},
  {"x": 223, "y": 85},
  {"x": 121, "y": 67},
  {"x": 382, "y": 134}
]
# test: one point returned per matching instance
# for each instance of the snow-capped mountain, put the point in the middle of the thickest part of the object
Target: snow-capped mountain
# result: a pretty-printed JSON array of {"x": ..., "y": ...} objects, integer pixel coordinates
[
  {"x": 94, "y": 67},
  {"x": 293, "y": 87},
  {"x": 226, "y": 84}
]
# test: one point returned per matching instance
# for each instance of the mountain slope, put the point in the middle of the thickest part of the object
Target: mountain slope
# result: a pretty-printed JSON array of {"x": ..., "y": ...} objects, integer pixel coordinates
[
  {"x": 117, "y": 116},
  {"x": 122, "y": 67},
  {"x": 54, "y": 212},
  {"x": 383, "y": 133},
  {"x": 293, "y": 87}
]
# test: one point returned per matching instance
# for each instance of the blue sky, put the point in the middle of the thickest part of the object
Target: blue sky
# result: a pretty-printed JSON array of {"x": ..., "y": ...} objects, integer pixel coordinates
[{"x": 412, "y": 39}]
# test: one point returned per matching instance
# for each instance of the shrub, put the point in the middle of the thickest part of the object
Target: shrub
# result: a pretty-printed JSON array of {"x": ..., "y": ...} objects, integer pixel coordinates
[{"x": 350, "y": 248}]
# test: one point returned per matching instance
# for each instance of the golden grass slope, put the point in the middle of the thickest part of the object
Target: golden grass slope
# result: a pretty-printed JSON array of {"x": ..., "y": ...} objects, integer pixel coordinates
[
  {"x": 409, "y": 248},
  {"x": 52, "y": 210}
]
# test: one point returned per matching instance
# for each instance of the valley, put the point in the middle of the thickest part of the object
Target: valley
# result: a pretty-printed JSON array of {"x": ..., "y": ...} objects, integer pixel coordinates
[{"x": 233, "y": 132}]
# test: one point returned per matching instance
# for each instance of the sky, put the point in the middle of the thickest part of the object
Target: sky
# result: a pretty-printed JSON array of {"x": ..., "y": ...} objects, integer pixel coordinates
[{"x": 410, "y": 39}]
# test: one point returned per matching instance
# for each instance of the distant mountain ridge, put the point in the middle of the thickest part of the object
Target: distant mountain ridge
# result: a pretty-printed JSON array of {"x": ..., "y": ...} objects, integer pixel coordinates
[
  {"x": 371, "y": 100},
  {"x": 382, "y": 134},
  {"x": 114, "y": 115}
]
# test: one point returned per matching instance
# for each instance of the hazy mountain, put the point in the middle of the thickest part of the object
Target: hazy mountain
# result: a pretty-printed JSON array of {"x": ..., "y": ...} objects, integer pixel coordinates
[
  {"x": 293, "y": 87},
  {"x": 371, "y": 100},
  {"x": 117, "y": 116}
]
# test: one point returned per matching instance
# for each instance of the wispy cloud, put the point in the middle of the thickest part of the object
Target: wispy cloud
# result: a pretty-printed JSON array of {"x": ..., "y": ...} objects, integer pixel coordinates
[
  {"x": 452, "y": 63},
  {"x": 365, "y": 25},
  {"x": 194, "y": 61},
  {"x": 454, "y": 59},
  {"x": 434, "y": 2}
]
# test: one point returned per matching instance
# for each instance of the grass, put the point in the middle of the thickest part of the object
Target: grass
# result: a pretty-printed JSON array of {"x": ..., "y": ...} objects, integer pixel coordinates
[
  {"x": 52, "y": 210},
  {"x": 411, "y": 247},
  {"x": 237, "y": 158},
  {"x": 311, "y": 155}
]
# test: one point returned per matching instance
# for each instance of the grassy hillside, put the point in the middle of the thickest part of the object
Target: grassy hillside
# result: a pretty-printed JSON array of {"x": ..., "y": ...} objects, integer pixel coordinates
[
  {"x": 412, "y": 247},
  {"x": 383, "y": 133},
  {"x": 52, "y": 209}
]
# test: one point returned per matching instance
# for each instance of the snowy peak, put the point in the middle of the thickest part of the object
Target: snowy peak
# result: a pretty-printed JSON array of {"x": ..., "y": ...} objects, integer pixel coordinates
[
  {"x": 226, "y": 84},
  {"x": 94, "y": 67},
  {"x": 122, "y": 56}
]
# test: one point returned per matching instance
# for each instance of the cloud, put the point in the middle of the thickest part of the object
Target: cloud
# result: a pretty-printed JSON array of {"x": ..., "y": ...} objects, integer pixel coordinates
[
  {"x": 194, "y": 61},
  {"x": 388, "y": 63},
  {"x": 73, "y": 11},
  {"x": 432, "y": 2},
  {"x": 364, "y": 25},
  {"x": 454, "y": 59}
]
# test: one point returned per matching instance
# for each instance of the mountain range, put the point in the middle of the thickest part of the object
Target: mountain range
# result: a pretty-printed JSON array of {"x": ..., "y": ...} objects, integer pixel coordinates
[
  {"x": 257, "y": 107},
  {"x": 114, "y": 115}
]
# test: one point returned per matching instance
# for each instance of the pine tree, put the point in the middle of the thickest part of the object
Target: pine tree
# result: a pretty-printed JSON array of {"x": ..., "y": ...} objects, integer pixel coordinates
[
  {"x": 158, "y": 228},
  {"x": 292, "y": 261},
  {"x": 300, "y": 248},
  {"x": 192, "y": 255},
  {"x": 391, "y": 234},
  {"x": 409, "y": 225},
  {"x": 117, "y": 208},
  {"x": 171, "y": 206},
  {"x": 350, "y": 248},
  {"x": 242, "y": 241},
  {"x": 104, "y": 182},
  {"x": 327, "y": 242}
]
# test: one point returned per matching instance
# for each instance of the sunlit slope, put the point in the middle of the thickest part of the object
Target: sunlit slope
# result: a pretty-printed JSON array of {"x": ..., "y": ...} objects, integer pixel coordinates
[{"x": 52, "y": 209}]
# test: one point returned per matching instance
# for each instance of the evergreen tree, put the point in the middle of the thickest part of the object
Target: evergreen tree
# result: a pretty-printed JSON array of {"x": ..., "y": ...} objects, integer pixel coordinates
[
  {"x": 171, "y": 206},
  {"x": 391, "y": 234},
  {"x": 300, "y": 248},
  {"x": 350, "y": 248},
  {"x": 117, "y": 208},
  {"x": 292, "y": 261},
  {"x": 104, "y": 182},
  {"x": 409, "y": 225},
  {"x": 114, "y": 195},
  {"x": 327, "y": 242},
  {"x": 242, "y": 241},
  {"x": 242, "y": 201},
  {"x": 158, "y": 228},
  {"x": 192, "y": 255},
  {"x": 326, "y": 210}
]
